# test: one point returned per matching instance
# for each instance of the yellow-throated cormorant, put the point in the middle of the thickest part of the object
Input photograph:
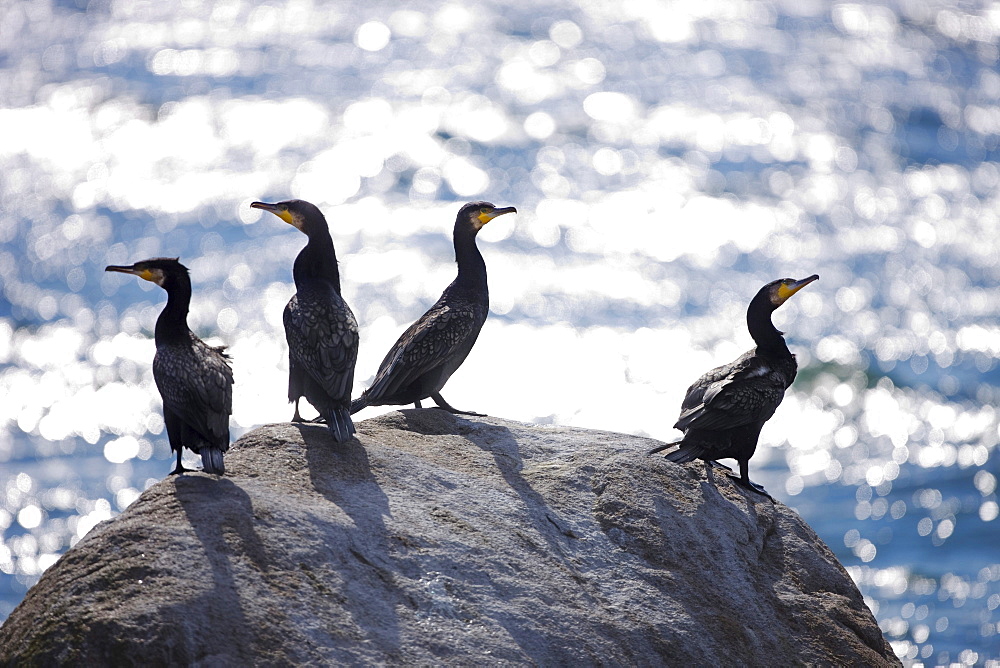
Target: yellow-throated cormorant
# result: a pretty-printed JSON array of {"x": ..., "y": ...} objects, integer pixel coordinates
[
  {"x": 194, "y": 379},
  {"x": 320, "y": 328},
  {"x": 724, "y": 410},
  {"x": 425, "y": 356}
]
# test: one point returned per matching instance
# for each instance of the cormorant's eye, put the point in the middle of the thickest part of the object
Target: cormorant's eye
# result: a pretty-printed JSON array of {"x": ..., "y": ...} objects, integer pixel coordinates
[{"x": 485, "y": 209}]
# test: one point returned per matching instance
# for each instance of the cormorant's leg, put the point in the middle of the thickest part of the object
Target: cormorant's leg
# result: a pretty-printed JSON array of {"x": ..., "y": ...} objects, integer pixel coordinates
[
  {"x": 179, "y": 469},
  {"x": 416, "y": 404},
  {"x": 439, "y": 400},
  {"x": 295, "y": 386},
  {"x": 744, "y": 480},
  {"x": 175, "y": 431},
  {"x": 712, "y": 462},
  {"x": 298, "y": 418}
]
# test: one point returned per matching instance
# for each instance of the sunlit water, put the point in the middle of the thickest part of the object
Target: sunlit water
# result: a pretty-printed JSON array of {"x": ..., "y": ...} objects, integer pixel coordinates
[{"x": 666, "y": 160}]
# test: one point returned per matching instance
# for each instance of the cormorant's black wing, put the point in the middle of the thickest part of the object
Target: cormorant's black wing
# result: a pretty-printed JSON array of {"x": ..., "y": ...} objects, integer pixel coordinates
[
  {"x": 196, "y": 383},
  {"x": 745, "y": 391},
  {"x": 445, "y": 331},
  {"x": 322, "y": 336}
]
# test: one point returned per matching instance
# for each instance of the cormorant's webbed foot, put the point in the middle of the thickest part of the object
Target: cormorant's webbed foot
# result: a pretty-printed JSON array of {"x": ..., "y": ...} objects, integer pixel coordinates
[
  {"x": 439, "y": 400},
  {"x": 751, "y": 486},
  {"x": 298, "y": 417},
  {"x": 316, "y": 420},
  {"x": 179, "y": 468}
]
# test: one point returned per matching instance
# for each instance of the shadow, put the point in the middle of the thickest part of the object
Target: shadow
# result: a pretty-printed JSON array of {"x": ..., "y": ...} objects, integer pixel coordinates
[
  {"x": 705, "y": 549},
  {"x": 502, "y": 445},
  {"x": 342, "y": 474},
  {"x": 541, "y": 532},
  {"x": 500, "y": 442},
  {"x": 434, "y": 421},
  {"x": 816, "y": 571},
  {"x": 330, "y": 462},
  {"x": 727, "y": 558},
  {"x": 711, "y": 484},
  {"x": 221, "y": 515}
]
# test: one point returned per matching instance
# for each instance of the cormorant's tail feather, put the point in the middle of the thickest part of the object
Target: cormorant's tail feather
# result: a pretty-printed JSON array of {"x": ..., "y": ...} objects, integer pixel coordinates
[
  {"x": 663, "y": 447},
  {"x": 211, "y": 460},
  {"x": 358, "y": 404},
  {"x": 685, "y": 453},
  {"x": 340, "y": 424}
]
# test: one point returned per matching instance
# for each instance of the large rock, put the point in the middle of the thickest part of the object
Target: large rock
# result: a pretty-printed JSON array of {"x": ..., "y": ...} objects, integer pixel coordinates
[{"x": 433, "y": 539}]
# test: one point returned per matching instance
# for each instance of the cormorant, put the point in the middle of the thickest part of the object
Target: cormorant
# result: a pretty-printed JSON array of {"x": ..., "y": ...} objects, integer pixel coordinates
[
  {"x": 194, "y": 379},
  {"x": 431, "y": 349},
  {"x": 320, "y": 328},
  {"x": 724, "y": 410}
]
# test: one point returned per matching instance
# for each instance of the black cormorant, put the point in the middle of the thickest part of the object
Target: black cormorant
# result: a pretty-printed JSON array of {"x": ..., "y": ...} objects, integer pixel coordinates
[
  {"x": 724, "y": 410},
  {"x": 421, "y": 361},
  {"x": 320, "y": 328},
  {"x": 194, "y": 379}
]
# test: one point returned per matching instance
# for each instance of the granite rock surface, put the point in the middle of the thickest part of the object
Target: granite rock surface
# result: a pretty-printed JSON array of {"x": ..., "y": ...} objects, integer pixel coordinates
[{"x": 436, "y": 539}]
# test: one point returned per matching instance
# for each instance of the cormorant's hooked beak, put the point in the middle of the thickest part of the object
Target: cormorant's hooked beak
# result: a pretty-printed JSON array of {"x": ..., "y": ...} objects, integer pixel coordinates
[
  {"x": 284, "y": 214},
  {"x": 490, "y": 215},
  {"x": 786, "y": 290},
  {"x": 144, "y": 274}
]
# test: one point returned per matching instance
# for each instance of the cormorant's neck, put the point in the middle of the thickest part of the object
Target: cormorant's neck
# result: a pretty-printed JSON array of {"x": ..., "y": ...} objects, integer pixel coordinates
[
  {"x": 471, "y": 266},
  {"x": 318, "y": 260},
  {"x": 172, "y": 325},
  {"x": 767, "y": 337}
]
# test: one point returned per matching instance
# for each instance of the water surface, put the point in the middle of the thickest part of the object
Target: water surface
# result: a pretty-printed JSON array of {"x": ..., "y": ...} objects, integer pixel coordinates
[{"x": 666, "y": 159}]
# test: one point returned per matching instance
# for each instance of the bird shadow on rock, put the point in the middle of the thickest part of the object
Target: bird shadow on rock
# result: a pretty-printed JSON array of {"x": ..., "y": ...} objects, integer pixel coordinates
[
  {"x": 432, "y": 421},
  {"x": 542, "y": 531},
  {"x": 342, "y": 474},
  {"x": 699, "y": 524},
  {"x": 222, "y": 517},
  {"x": 333, "y": 464},
  {"x": 500, "y": 442},
  {"x": 749, "y": 555},
  {"x": 791, "y": 551}
]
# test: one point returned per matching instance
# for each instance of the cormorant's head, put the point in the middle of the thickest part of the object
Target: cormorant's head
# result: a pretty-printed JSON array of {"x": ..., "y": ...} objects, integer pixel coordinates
[
  {"x": 159, "y": 270},
  {"x": 296, "y": 212},
  {"x": 779, "y": 291},
  {"x": 477, "y": 214}
]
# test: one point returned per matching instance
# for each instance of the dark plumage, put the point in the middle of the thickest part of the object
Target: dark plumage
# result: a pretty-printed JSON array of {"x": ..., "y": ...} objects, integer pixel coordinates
[
  {"x": 724, "y": 410},
  {"x": 320, "y": 328},
  {"x": 194, "y": 379},
  {"x": 431, "y": 349}
]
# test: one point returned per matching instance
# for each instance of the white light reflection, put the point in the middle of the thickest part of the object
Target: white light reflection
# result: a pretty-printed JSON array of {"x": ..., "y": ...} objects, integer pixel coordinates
[
  {"x": 372, "y": 36},
  {"x": 100, "y": 513},
  {"x": 121, "y": 449},
  {"x": 30, "y": 517}
]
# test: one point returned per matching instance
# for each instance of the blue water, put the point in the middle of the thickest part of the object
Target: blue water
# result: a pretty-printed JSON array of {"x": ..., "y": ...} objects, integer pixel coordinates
[{"x": 666, "y": 160}]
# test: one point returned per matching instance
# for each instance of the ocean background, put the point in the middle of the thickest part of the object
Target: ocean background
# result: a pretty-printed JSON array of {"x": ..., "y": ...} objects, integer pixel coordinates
[{"x": 666, "y": 159}]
